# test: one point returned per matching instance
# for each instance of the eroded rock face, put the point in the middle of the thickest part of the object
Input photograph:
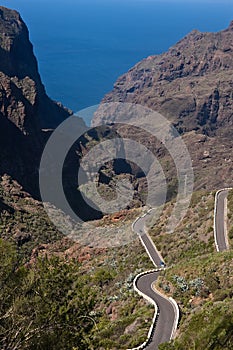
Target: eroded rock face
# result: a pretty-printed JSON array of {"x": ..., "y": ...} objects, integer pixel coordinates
[
  {"x": 22, "y": 81},
  {"x": 16, "y": 51},
  {"x": 25, "y": 109},
  {"x": 191, "y": 85}
]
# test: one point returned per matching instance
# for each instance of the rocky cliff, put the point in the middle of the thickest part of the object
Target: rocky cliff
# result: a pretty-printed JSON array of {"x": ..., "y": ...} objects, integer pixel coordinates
[
  {"x": 191, "y": 85},
  {"x": 22, "y": 82},
  {"x": 25, "y": 109}
]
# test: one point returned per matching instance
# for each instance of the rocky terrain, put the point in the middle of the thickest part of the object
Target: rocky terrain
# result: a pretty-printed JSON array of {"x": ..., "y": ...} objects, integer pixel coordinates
[
  {"x": 191, "y": 85},
  {"x": 26, "y": 112},
  {"x": 48, "y": 282}
]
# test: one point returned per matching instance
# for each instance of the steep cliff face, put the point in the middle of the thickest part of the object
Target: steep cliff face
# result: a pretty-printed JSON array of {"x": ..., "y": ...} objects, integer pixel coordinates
[
  {"x": 17, "y": 57},
  {"x": 22, "y": 88},
  {"x": 24, "y": 106},
  {"x": 191, "y": 85}
]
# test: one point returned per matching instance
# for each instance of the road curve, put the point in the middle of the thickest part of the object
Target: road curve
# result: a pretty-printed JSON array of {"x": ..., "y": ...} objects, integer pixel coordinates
[
  {"x": 167, "y": 310},
  {"x": 167, "y": 317},
  {"x": 220, "y": 220}
]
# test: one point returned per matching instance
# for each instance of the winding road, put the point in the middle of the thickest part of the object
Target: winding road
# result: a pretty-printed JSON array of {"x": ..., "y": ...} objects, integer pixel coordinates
[{"x": 167, "y": 317}]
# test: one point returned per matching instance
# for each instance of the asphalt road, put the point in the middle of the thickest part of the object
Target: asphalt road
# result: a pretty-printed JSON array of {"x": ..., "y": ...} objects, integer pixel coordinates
[
  {"x": 167, "y": 316},
  {"x": 220, "y": 224},
  {"x": 166, "y": 319},
  {"x": 139, "y": 228}
]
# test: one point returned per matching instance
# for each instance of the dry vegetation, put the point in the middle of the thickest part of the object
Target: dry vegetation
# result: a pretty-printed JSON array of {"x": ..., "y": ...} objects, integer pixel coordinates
[{"x": 198, "y": 278}]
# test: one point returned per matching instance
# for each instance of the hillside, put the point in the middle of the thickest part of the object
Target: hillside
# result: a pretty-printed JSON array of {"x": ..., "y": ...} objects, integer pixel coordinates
[
  {"x": 60, "y": 294},
  {"x": 39, "y": 270},
  {"x": 199, "y": 279},
  {"x": 191, "y": 86},
  {"x": 25, "y": 109}
]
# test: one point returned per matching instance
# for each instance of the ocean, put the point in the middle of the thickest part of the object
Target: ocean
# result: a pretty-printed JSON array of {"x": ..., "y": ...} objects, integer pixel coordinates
[{"x": 82, "y": 46}]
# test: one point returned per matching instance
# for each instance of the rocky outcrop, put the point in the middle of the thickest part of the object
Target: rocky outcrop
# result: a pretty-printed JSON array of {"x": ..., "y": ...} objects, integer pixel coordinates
[
  {"x": 21, "y": 88},
  {"x": 191, "y": 85},
  {"x": 26, "y": 112}
]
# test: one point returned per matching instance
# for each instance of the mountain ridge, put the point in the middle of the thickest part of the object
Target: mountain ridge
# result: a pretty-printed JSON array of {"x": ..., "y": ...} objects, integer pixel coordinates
[
  {"x": 191, "y": 86},
  {"x": 26, "y": 112},
  {"x": 48, "y": 283},
  {"x": 183, "y": 66}
]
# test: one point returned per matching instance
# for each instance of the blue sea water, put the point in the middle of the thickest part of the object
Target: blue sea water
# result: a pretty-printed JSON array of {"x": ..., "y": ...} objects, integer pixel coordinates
[{"x": 82, "y": 46}]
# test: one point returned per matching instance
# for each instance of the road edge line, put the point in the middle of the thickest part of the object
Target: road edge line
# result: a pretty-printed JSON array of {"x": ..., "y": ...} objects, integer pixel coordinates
[
  {"x": 177, "y": 317},
  {"x": 151, "y": 301},
  {"x": 225, "y": 223},
  {"x": 175, "y": 307},
  {"x": 140, "y": 237},
  {"x": 148, "y": 253},
  {"x": 215, "y": 212}
]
